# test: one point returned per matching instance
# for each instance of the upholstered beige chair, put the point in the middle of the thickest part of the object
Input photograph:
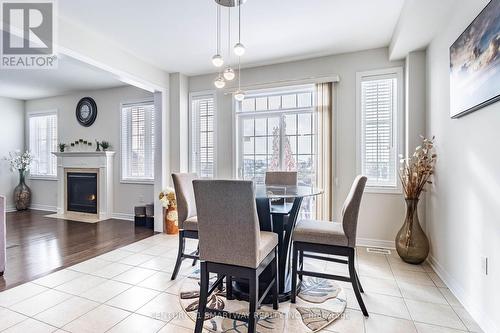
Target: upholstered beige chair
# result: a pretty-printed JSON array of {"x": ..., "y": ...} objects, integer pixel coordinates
[
  {"x": 232, "y": 245},
  {"x": 281, "y": 178},
  {"x": 331, "y": 238},
  {"x": 186, "y": 212}
]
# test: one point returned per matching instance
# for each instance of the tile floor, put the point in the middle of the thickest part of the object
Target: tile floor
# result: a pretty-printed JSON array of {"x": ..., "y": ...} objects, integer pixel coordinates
[{"x": 129, "y": 290}]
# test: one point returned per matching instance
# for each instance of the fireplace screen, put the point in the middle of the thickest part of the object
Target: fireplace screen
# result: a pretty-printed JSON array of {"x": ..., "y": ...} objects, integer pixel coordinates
[{"x": 82, "y": 192}]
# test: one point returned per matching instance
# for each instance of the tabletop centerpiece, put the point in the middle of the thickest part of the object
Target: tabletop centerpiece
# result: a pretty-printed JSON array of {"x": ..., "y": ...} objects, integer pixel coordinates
[{"x": 169, "y": 203}]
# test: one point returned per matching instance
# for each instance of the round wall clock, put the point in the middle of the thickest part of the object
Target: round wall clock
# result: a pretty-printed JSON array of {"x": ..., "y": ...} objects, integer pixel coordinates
[{"x": 86, "y": 111}]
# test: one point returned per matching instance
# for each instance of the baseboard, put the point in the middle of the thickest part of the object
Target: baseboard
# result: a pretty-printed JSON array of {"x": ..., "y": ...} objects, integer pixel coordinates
[
  {"x": 486, "y": 324},
  {"x": 122, "y": 216},
  {"x": 369, "y": 242},
  {"x": 46, "y": 208},
  {"x": 10, "y": 209}
]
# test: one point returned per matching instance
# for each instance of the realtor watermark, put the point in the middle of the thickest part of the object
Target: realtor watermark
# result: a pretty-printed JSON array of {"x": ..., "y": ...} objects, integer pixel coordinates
[{"x": 28, "y": 34}]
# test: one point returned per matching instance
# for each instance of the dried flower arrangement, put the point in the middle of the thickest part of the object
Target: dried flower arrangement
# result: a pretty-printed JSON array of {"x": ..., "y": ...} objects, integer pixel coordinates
[
  {"x": 20, "y": 162},
  {"x": 167, "y": 198},
  {"x": 416, "y": 171}
]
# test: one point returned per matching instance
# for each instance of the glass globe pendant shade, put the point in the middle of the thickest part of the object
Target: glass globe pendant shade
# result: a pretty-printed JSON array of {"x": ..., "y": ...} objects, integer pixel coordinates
[
  {"x": 239, "y": 95},
  {"x": 217, "y": 60},
  {"x": 239, "y": 49},
  {"x": 219, "y": 82},
  {"x": 229, "y": 74}
]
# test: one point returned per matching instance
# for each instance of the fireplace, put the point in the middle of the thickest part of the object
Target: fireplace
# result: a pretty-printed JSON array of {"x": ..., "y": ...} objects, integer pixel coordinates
[{"x": 81, "y": 192}]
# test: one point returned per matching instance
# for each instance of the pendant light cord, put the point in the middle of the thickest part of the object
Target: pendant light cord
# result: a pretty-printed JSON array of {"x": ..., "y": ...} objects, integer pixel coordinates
[
  {"x": 228, "y": 34},
  {"x": 218, "y": 29},
  {"x": 239, "y": 22}
]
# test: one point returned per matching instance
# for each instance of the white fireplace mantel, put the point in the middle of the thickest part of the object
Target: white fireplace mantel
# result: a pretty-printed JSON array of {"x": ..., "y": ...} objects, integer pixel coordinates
[{"x": 102, "y": 162}]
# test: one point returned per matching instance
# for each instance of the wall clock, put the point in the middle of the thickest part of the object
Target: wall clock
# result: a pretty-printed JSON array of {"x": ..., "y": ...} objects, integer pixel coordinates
[{"x": 86, "y": 111}]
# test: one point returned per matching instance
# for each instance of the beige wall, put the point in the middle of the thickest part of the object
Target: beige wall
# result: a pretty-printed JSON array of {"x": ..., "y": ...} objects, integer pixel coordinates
[
  {"x": 381, "y": 214},
  {"x": 106, "y": 127},
  {"x": 463, "y": 208}
]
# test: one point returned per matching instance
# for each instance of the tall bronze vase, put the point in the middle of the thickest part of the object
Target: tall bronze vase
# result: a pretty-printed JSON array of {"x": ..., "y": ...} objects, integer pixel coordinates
[
  {"x": 22, "y": 193},
  {"x": 411, "y": 242}
]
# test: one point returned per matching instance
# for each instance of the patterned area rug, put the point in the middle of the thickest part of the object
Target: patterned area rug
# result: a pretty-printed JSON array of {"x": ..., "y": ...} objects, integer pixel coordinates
[{"x": 319, "y": 304}]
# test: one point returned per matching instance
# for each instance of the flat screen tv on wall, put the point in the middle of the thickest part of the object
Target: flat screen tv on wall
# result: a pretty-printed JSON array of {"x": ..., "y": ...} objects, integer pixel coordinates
[{"x": 475, "y": 63}]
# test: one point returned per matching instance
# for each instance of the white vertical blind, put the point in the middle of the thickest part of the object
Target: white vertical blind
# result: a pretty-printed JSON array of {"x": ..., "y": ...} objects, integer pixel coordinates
[
  {"x": 43, "y": 142},
  {"x": 379, "y": 129},
  {"x": 137, "y": 141},
  {"x": 202, "y": 135}
]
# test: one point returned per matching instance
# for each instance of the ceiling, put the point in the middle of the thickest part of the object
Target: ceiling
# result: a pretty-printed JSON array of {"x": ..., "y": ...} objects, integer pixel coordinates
[
  {"x": 70, "y": 76},
  {"x": 179, "y": 36}
]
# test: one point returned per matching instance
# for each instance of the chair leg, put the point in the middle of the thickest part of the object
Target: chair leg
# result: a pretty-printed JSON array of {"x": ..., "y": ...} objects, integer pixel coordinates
[
  {"x": 220, "y": 287},
  {"x": 202, "y": 302},
  {"x": 254, "y": 300},
  {"x": 180, "y": 253},
  {"x": 229, "y": 287},
  {"x": 274, "y": 270},
  {"x": 295, "y": 254},
  {"x": 301, "y": 264},
  {"x": 355, "y": 286},
  {"x": 197, "y": 253},
  {"x": 359, "y": 283}
]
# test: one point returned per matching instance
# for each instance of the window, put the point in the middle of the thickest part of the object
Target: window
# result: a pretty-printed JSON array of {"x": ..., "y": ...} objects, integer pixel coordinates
[
  {"x": 202, "y": 135},
  {"x": 137, "y": 141},
  {"x": 379, "y": 107},
  {"x": 276, "y": 131},
  {"x": 42, "y": 143}
]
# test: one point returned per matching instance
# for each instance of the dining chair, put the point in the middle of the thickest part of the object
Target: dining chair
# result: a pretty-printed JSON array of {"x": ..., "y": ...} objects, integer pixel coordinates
[
  {"x": 330, "y": 238},
  {"x": 232, "y": 245},
  {"x": 186, "y": 213}
]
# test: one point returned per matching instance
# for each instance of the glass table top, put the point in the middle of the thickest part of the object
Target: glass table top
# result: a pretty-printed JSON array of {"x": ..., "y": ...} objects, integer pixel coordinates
[{"x": 285, "y": 191}]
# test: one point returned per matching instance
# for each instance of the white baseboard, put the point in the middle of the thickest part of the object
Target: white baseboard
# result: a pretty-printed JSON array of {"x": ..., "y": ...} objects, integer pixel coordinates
[
  {"x": 122, "y": 216},
  {"x": 486, "y": 324},
  {"x": 369, "y": 242},
  {"x": 46, "y": 208},
  {"x": 10, "y": 209}
]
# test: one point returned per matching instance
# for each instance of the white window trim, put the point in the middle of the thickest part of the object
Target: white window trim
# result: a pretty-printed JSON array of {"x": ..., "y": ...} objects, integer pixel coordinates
[
  {"x": 399, "y": 120},
  {"x": 132, "y": 180},
  {"x": 27, "y": 139},
  {"x": 194, "y": 95}
]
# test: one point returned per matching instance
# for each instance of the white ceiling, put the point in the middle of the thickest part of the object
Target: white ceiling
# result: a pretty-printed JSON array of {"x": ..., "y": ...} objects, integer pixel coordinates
[
  {"x": 70, "y": 76},
  {"x": 179, "y": 35}
]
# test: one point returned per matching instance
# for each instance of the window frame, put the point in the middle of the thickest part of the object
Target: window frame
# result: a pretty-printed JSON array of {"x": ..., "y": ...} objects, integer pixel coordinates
[
  {"x": 145, "y": 181},
  {"x": 30, "y": 114},
  {"x": 398, "y": 125},
  {"x": 192, "y": 96}
]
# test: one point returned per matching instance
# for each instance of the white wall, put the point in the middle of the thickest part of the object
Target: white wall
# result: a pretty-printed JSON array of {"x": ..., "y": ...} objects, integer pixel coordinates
[
  {"x": 106, "y": 127},
  {"x": 463, "y": 208},
  {"x": 11, "y": 139},
  {"x": 381, "y": 214}
]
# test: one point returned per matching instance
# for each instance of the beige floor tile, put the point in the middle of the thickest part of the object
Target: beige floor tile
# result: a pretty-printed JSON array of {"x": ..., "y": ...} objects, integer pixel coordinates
[
  {"x": 10, "y": 318},
  {"x": 352, "y": 302},
  {"x": 79, "y": 285},
  {"x": 111, "y": 270},
  {"x": 452, "y": 300},
  {"x": 137, "y": 247},
  {"x": 20, "y": 293},
  {"x": 175, "y": 288},
  {"x": 375, "y": 271},
  {"x": 406, "y": 267},
  {"x": 435, "y": 314},
  {"x": 134, "y": 275},
  {"x": 31, "y": 326},
  {"x": 66, "y": 312},
  {"x": 159, "y": 281},
  {"x": 383, "y": 324},
  {"x": 136, "y": 259},
  {"x": 40, "y": 302},
  {"x": 55, "y": 279},
  {"x": 157, "y": 250},
  {"x": 380, "y": 286},
  {"x": 467, "y": 319},
  {"x": 163, "y": 307},
  {"x": 350, "y": 322},
  {"x": 137, "y": 324},
  {"x": 133, "y": 298},
  {"x": 422, "y": 293},
  {"x": 98, "y": 320},
  {"x": 160, "y": 264},
  {"x": 115, "y": 255},
  {"x": 437, "y": 280},
  {"x": 106, "y": 291},
  {"x": 169, "y": 328},
  {"x": 89, "y": 266},
  {"x": 414, "y": 278},
  {"x": 427, "y": 328},
  {"x": 386, "y": 305}
]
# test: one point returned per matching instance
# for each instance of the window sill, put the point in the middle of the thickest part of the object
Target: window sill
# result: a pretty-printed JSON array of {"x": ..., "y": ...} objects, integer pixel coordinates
[
  {"x": 49, "y": 178},
  {"x": 137, "y": 181},
  {"x": 384, "y": 190}
]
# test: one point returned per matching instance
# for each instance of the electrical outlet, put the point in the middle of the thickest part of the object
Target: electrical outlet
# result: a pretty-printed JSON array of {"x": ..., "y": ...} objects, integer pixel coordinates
[{"x": 484, "y": 265}]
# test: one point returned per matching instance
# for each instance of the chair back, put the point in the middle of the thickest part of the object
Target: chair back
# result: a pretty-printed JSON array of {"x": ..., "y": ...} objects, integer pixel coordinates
[
  {"x": 350, "y": 210},
  {"x": 281, "y": 178},
  {"x": 184, "y": 194},
  {"x": 228, "y": 226},
  {"x": 3, "y": 240}
]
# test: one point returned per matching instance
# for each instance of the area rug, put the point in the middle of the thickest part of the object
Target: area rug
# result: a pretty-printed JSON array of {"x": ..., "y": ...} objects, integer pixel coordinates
[{"x": 319, "y": 303}]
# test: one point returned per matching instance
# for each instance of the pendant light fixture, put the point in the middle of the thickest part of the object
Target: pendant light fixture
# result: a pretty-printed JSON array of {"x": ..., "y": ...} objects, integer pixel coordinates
[
  {"x": 229, "y": 74},
  {"x": 239, "y": 95},
  {"x": 217, "y": 59},
  {"x": 219, "y": 82},
  {"x": 239, "y": 48}
]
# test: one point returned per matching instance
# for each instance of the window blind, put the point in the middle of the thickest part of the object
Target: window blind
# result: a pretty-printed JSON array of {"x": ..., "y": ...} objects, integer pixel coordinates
[
  {"x": 202, "y": 135},
  {"x": 42, "y": 143},
  {"x": 137, "y": 141},
  {"x": 379, "y": 130}
]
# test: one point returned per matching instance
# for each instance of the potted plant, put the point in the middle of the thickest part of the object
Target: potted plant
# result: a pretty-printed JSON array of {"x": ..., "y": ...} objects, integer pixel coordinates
[
  {"x": 169, "y": 203},
  {"x": 21, "y": 163},
  {"x": 416, "y": 171},
  {"x": 105, "y": 145}
]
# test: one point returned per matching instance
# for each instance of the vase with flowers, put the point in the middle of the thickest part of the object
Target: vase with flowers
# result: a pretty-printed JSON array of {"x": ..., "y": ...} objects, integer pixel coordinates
[
  {"x": 21, "y": 163},
  {"x": 415, "y": 174},
  {"x": 169, "y": 203}
]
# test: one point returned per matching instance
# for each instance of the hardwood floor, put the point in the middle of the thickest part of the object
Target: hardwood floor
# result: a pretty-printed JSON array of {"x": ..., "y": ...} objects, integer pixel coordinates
[{"x": 38, "y": 245}]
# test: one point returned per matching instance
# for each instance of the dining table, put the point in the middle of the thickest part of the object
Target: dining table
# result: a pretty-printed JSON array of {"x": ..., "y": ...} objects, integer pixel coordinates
[{"x": 278, "y": 208}]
